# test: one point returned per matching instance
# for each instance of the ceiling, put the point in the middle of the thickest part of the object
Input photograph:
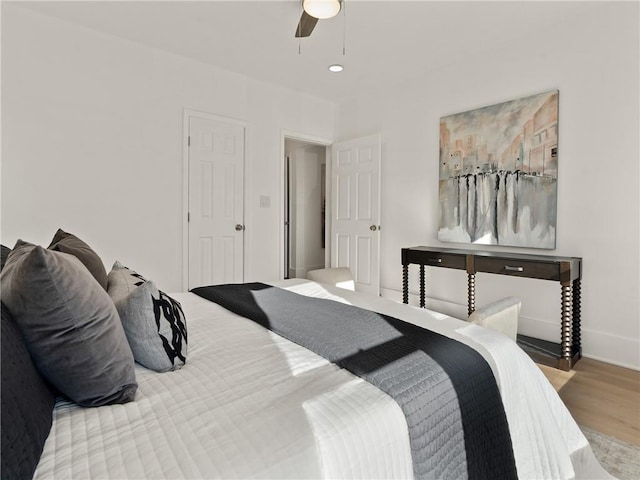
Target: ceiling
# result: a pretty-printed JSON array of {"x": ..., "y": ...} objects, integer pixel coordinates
[{"x": 386, "y": 42}]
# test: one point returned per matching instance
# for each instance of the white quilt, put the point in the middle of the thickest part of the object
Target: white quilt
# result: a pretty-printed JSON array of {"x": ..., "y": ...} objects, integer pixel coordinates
[{"x": 250, "y": 404}]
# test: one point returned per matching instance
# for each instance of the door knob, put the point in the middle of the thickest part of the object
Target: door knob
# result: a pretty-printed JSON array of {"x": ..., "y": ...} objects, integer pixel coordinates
[
  {"x": 373, "y": 228},
  {"x": 239, "y": 227}
]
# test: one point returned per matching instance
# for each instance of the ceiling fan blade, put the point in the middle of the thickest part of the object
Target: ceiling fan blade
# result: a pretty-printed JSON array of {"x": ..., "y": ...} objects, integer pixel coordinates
[{"x": 305, "y": 25}]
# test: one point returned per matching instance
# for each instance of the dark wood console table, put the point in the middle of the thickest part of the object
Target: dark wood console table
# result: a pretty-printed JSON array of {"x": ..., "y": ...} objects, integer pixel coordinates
[{"x": 566, "y": 270}]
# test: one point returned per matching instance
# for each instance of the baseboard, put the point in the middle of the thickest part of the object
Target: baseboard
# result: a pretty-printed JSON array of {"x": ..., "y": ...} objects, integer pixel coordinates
[{"x": 601, "y": 346}]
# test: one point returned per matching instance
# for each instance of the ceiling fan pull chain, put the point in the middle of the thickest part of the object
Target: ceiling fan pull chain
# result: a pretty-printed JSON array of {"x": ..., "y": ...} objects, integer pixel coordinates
[
  {"x": 344, "y": 27},
  {"x": 300, "y": 29}
]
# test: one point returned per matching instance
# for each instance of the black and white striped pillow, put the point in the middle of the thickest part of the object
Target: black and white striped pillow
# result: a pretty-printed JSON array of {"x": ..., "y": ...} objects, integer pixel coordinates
[{"x": 153, "y": 321}]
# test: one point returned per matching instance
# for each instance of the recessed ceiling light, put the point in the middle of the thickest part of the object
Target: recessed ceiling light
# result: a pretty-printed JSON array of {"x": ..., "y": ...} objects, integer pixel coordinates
[{"x": 336, "y": 68}]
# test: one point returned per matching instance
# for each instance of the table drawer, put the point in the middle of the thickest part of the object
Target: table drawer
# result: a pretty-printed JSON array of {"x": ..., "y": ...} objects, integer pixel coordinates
[
  {"x": 518, "y": 268},
  {"x": 437, "y": 259}
]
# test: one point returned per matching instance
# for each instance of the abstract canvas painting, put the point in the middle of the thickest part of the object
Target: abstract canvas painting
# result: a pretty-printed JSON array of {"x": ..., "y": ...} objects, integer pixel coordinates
[{"x": 498, "y": 173}]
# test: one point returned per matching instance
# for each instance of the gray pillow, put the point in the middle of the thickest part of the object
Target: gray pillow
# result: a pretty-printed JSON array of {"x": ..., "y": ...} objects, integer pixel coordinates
[
  {"x": 70, "y": 325},
  {"x": 5, "y": 251},
  {"x": 121, "y": 281},
  {"x": 153, "y": 321},
  {"x": 69, "y": 243}
]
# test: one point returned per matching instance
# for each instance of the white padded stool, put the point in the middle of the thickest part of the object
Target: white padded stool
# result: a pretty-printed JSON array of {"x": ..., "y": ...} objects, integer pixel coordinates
[
  {"x": 338, "y": 277},
  {"x": 501, "y": 316}
]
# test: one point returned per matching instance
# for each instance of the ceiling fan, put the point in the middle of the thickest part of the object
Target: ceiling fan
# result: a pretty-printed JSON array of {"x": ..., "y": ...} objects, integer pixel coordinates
[{"x": 314, "y": 10}]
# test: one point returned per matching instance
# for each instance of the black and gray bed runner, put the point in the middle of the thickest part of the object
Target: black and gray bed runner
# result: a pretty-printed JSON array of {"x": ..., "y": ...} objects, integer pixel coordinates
[{"x": 447, "y": 391}]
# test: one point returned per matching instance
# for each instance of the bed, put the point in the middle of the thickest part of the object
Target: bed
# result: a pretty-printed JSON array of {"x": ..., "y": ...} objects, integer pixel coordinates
[{"x": 248, "y": 403}]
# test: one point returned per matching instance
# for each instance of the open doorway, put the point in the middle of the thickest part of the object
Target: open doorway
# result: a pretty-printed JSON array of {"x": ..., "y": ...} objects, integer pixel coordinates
[{"x": 305, "y": 207}]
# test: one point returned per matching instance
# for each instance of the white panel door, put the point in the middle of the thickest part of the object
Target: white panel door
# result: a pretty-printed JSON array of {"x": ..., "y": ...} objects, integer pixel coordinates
[
  {"x": 216, "y": 202},
  {"x": 355, "y": 210}
]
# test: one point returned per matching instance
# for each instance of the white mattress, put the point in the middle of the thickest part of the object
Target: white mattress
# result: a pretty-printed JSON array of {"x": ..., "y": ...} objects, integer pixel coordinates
[{"x": 250, "y": 404}]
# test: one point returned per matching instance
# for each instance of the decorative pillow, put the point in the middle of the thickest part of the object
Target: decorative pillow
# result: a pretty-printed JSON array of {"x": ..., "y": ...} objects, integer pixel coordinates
[
  {"x": 70, "y": 325},
  {"x": 121, "y": 281},
  {"x": 69, "y": 243},
  {"x": 153, "y": 321},
  {"x": 27, "y": 403},
  {"x": 5, "y": 253}
]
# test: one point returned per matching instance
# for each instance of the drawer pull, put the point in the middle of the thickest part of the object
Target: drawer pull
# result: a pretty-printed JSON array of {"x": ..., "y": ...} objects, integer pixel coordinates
[
  {"x": 513, "y": 269},
  {"x": 436, "y": 260}
]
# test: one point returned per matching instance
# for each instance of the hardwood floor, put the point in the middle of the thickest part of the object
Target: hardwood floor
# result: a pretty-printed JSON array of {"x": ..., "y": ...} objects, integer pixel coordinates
[{"x": 601, "y": 396}]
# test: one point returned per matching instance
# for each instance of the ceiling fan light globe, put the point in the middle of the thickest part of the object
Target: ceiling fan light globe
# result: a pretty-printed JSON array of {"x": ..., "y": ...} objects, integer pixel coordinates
[{"x": 321, "y": 9}]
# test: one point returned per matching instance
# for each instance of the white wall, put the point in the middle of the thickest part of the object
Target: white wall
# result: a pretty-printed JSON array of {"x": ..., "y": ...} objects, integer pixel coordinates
[
  {"x": 594, "y": 61},
  {"x": 92, "y": 143}
]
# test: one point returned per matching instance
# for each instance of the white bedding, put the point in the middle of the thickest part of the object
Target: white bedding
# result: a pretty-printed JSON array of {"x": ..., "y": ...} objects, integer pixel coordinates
[{"x": 250, "y": 404}]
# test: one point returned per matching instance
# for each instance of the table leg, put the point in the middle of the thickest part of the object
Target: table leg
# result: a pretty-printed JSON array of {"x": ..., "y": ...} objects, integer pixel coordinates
[
  {"x": 471, "y": 292},
  {"x": 422, "y": 294},
  {"x": 577, "y": 345},
  {"x": 405, "y": 283},
  {"x": 566, "y": 324}
]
